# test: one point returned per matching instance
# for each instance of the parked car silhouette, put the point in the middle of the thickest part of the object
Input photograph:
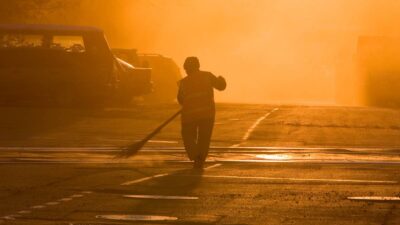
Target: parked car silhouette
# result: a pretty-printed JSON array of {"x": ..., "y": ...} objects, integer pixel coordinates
[{"x": 65, "y": 65}]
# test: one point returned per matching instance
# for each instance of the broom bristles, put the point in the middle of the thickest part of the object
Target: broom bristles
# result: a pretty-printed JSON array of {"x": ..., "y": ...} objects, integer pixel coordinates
[{"x": 131, "y": 150}]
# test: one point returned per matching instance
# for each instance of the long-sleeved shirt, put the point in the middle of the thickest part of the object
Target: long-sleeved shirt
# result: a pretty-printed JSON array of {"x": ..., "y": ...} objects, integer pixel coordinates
[{"x": 196, "y": 95}]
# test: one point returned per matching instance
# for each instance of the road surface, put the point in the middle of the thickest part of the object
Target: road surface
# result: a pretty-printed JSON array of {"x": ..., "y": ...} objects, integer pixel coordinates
[{"x": 269, "y": 165}]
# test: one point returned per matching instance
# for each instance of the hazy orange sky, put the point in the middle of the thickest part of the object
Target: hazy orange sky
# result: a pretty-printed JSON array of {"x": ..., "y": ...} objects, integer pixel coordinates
[{"x": 270, "y": 51}]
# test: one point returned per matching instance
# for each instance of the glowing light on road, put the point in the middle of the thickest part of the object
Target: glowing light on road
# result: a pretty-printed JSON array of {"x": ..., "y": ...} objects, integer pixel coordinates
[
  {"x": 162, "y": 197},
  {"x": 274, "y": 157},
  {"x": 137, "y": 217},
  {"x": 375, "y": 198}
]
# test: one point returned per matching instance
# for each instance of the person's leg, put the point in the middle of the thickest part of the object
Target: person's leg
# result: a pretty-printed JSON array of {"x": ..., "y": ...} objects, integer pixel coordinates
[
  {"x": 189, "y": 136},
  {"x": 204, "y": 138}
]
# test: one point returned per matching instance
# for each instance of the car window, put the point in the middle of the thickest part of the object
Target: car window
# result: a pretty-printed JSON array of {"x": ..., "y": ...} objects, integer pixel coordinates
[
  {"x": 68, "y": 43},
  {"x": 21, "y": 41}
]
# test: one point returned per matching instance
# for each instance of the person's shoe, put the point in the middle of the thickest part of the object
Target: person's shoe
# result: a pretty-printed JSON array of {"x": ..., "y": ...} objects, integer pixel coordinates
[
  {"x": 201, "y": 164},
  {"x": 198, "y": 164}
]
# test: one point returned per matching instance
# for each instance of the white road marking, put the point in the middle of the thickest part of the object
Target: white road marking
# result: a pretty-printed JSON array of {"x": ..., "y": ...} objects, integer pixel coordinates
[
  {"x": 163, "y": 142},
  {"x": 76, "y": 196},
  {"x": 181, "y": 149},
  {"x": 234, "y": 119},
  {"x": 38, "y": 207},
  {"x": 127, "y": 183},
  {"x": 22, "y": 212},
  {"x": 161, "y": 175},
  {"x": 137, "y": 217},
  {"x": 318, "y": 161},
  {"x": 106, "y": 161},
  {"x": 375, "y": 198},
  {"x": 213, "y": 166},
  {"x": 162, "y": 197},
  {"x": 52, "y": 203},
  {"x": 143, "y": 179},
  {"x": 275, "y": 157},
  {"x": 253, "y": 127},
  {"x": 137, "y": 181},
  {"x": 299, "y": 179},
  {"x": 10, "y": 217}
]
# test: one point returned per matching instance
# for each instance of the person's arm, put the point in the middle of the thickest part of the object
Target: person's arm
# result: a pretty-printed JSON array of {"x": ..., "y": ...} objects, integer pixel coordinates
[
  {"x": 219, "y": 83},
  {"x": 180, "y": 93}
]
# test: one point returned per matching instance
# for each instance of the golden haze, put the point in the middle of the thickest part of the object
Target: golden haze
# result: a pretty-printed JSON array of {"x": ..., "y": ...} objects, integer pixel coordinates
[{"x": 271, "y": 51}]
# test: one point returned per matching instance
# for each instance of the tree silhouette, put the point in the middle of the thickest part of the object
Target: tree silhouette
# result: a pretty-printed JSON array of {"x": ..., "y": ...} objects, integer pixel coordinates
[{"x": 24, "y": 11}]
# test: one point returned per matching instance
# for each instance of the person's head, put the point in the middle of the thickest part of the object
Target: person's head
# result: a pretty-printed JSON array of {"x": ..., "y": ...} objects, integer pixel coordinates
[{"x": 192, "y": 64}]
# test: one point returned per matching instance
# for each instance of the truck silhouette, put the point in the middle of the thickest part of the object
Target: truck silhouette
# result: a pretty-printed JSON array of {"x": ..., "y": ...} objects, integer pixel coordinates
[
  {"x": 165, "y": 73},
  {"x": 65, "y": 66}
]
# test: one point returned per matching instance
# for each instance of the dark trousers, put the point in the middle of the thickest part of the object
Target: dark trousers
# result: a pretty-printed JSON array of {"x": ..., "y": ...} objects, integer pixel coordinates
[{"x": 197, "y": 137}]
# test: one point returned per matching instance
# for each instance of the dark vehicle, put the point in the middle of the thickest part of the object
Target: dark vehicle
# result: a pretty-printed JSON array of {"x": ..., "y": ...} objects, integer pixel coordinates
[
  {"x": 64, "y": 65},
  {"x": 165, "y": 73},
  {"x": 379, "y": 70}
]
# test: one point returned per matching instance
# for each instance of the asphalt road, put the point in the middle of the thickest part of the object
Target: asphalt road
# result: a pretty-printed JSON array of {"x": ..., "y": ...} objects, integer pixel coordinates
[{"x": 268, "y": 165}]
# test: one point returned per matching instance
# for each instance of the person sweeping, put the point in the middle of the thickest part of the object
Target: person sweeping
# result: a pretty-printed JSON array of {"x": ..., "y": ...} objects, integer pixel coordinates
[{"x": 196, "y": 96}]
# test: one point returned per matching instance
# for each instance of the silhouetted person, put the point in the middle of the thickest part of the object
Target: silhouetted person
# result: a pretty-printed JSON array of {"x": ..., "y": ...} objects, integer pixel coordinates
[{"x": 196, "y": 95}]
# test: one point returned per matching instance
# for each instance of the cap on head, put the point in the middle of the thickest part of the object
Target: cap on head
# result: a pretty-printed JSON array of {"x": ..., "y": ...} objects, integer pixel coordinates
[{"x": 191, "y": 64}]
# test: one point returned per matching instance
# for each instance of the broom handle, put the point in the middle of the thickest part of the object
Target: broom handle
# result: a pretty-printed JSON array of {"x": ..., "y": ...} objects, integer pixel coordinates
[{"x": 158, "y": 129}]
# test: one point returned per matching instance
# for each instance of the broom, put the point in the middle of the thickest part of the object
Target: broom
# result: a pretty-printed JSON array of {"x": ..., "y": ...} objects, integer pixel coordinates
[{"x": 135, "y": 147}]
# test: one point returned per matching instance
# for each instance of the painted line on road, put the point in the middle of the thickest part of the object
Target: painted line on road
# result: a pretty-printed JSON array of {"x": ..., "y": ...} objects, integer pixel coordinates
[
  {"x": 375, "y": 198},
  {"x": 213, "y": 166},
  {"x": 253, "y": 127},
  {"x": 127, "y": 183},
  {"x": 161, "y": 197},
  {"x": 318, "y": 161},
  {"x": 137, "y": 218},
  {"x": 234, "y": 119},
  {"x": 299, "y": 179},
  {"x": 11, "y": 217},
  {"x": 309, "y": 161},
  {"x": 149, "y": 217},
  {"x": 24, "y": 212},
  {"x": 52, "y": 203},
  {"x": 140, "y": 180},
  {"x": 163, "y": 142},
  {"x": 76, "y": 196},
  {"x": 7, "y": 218},
  {"x": 174, "y": 149}
]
